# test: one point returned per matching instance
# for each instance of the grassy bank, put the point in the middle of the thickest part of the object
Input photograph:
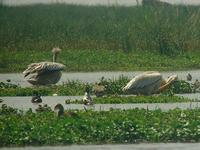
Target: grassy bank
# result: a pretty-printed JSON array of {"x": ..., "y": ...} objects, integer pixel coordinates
[
  {"x": 115, "y": 126},
  {"x": 101, "y": 38},
  {"x": 136, "y": 99},
  {"x": 111, "y": 87},
  {"x": 92, "y": 60}
]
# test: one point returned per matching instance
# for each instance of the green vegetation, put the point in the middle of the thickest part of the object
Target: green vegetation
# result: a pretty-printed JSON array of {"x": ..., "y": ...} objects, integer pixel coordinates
[
  {"x": 112, "y": 87},
  {"x": 114, "y": 126},
  {"x": 101, "y": 38},
  {"x": 136, "y": 99}
]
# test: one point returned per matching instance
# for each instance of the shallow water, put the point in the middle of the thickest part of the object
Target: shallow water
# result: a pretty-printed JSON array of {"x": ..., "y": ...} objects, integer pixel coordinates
[
  {"x": 92, "y": 2},
  {"x": 82, "y": 2},
  {"x": 17, "y": 78},
  {"x": 24, "y": 103},
  {"x": 152, "y": 146}
]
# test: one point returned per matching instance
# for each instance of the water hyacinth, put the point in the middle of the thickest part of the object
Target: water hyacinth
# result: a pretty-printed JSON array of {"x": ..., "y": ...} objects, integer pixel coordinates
[{"x": 114, "y": 126}]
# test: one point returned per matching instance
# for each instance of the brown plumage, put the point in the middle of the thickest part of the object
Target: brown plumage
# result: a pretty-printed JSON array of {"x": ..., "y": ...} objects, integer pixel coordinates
[
  {"x": 45, "y": 73},
  {"x": 189, "y": 77},
  {"x": 98, "y": 89},
  {"x": 59, "y": 110}
]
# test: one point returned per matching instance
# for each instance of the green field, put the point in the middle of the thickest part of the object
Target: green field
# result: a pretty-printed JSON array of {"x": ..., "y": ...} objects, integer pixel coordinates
[
  {"x": 114, "y": 126},
  {"x": 101, "y": 38}
]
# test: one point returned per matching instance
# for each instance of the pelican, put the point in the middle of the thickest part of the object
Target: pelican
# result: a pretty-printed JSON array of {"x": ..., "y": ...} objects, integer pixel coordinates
[
  {"x": 148, "y": 83},
  {"x": 44, "y": 73}
]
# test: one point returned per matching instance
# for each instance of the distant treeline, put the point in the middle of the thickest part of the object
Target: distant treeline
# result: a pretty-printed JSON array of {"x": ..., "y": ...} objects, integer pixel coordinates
[{"x": 165, "y": 28}]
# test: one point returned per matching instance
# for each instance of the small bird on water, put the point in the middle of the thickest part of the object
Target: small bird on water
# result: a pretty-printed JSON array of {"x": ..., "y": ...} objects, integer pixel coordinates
[
  {"x": 36, "y": 97},
  {"x": 189, "y": 77}
]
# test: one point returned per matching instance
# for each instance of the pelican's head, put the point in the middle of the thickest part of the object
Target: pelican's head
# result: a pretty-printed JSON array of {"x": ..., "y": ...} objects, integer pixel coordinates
[{"x": 56, "y": 50}]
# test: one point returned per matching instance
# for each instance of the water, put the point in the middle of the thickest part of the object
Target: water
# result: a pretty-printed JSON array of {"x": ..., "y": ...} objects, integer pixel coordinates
[
  {"x": 153, "y": 146},
  {"x": 24, "y": 103},
  {"x": 92, "y": 2},
  {"x": 91, "y": 77}
]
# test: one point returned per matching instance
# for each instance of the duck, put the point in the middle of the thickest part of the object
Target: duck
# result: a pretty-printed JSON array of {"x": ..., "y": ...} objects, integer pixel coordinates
[{"x": 36, "y": 97}]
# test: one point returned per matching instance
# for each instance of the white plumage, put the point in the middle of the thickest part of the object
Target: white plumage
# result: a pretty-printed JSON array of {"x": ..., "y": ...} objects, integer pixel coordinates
[
  {"x": 87, "y": 99},
  {"x": 148, "y": 83},
  {"x": 44, "y": 73}
]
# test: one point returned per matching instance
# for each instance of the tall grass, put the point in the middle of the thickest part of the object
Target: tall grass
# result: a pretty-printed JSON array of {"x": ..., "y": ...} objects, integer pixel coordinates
[{"x": 167, "y": 30}]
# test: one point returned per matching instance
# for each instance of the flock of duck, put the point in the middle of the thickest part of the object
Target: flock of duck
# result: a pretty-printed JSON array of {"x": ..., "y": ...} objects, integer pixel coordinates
[{"x": 45, "y": 73}]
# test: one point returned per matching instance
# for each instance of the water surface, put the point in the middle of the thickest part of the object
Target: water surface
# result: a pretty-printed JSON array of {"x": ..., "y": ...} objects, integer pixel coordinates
[
  {"x": 92, "y": 2},
  {"x": 24, "y": 103},
  {"x": 91, "y": 77},
  {"x": 152, "y": 146}
]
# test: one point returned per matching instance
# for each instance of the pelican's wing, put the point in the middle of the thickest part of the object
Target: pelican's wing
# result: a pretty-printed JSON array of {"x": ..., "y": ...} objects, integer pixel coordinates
[
  {"x": 143, "y": 80},
  {"x": 43, "y": 67}
]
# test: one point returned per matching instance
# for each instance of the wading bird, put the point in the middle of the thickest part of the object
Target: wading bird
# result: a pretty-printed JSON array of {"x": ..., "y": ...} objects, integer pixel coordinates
[
  {"x": 87, "y": 99},
  {"x": 45, "y": 73},
  {"x": 148, "y": 83}
]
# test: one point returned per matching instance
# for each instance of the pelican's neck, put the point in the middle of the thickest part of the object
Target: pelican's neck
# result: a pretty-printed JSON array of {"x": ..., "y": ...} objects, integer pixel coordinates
[{"x": 55, "y": 55}]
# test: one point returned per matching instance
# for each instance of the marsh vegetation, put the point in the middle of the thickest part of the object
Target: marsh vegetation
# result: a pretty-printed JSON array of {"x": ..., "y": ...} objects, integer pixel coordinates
[
  {"x": 101, "y": 38},
  {"x": 114, "y": 126},
  {"x": 112, "y": 87}
]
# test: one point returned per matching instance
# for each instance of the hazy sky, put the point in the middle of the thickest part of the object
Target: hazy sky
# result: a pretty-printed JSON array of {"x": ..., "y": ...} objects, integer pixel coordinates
[{"x": 93, "y": 2}]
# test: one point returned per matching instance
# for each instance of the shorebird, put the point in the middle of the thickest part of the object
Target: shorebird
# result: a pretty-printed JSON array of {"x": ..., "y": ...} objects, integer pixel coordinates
[{"x": 87, "y": 99}]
